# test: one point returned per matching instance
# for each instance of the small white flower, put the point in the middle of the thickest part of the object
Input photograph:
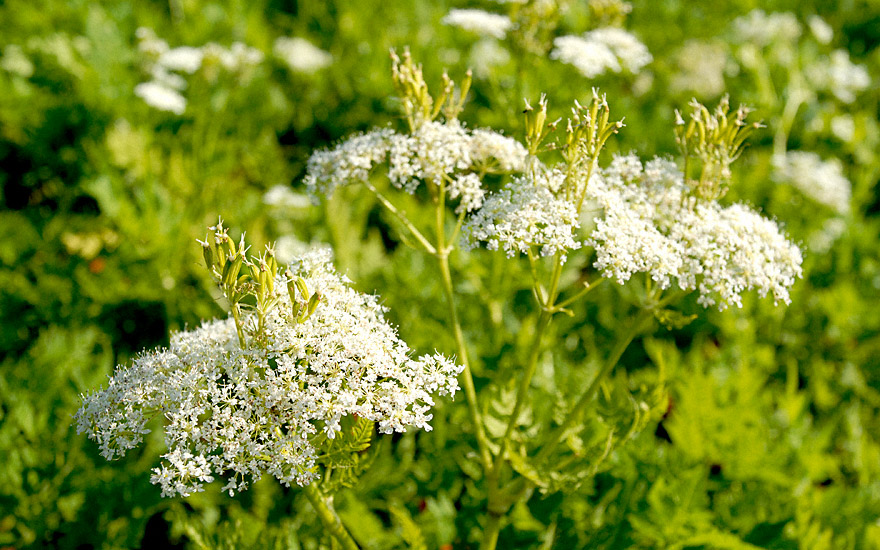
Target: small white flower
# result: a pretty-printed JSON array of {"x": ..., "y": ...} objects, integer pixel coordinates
[
  {"x": 487, "y": 54},
  {"x": 479, "y": 22},
  {"x": 301, "y": 55},
  {"x": 161, "y": 97},
  {"x": 589, "y": 57},
  {"x": 843, "y": 127},
  {"x": 701, "y": 68}
]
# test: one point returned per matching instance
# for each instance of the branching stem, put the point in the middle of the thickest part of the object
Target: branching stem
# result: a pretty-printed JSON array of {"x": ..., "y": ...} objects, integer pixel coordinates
[{"x": 329, "y": 518}]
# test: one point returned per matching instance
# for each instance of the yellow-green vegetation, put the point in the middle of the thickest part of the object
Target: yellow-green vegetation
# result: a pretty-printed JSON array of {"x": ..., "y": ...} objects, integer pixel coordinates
[{"x": 671, "y": 353}]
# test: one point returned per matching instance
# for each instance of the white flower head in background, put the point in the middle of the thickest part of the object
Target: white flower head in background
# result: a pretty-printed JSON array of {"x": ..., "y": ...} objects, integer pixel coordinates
[
  {"x": 608, "y": 49},
  {"x": 763, "y": 29},
  {"x": 160, "y": 96},
  {"x": 821, "y": 180},
  {"x": 282, "y": 196},
  {"x": 184, "y": 59},
  {"x": 839, "y": 75},
  {"x": 301, "y": 55},
  {"x": 479, "y": 22},
  {"x": 485, "y": 55},
  {"x": 243, "y": 411},
  {"x": 822, "y": 31},
  {"x": 700, "y": 68},
  {"x": 167, "y": 67}
]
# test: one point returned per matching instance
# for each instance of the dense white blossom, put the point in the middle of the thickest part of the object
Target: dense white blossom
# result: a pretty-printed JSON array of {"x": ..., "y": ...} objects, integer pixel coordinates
[
  {"x": 241, "y": 412},
  {"x": 650, "y": 222},
  {"x": 822, "y": 181},
  {"x": 526, "y": 213},
  {"x": 301, "y": 55},
  {"x": 161, "y": 97},
  {"x": 436, "y": 152},
  {"x": 839, "y": 75},
  {"x": 479, "y": 21},
  {"x": 601, "y": 50},
  {"x": 646, "y": 219}
]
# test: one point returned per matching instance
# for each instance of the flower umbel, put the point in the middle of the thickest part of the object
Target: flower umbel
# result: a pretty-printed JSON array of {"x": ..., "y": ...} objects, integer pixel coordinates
[{"x": 314, "y": 352}]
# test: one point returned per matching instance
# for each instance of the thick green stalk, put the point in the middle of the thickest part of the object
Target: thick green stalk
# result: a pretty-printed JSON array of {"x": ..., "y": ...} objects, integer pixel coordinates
[
  {"x": 329, "y": 518},
  {"x": 467, "y": 378},
  {"x": 442, "y": 255},
  {"x": 491, "y": 531},
  {"x": 497, "y": 505}
]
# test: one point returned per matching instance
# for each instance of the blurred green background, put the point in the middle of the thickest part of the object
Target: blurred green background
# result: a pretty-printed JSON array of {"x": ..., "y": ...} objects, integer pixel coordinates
[{"x": 771, "y": 438}]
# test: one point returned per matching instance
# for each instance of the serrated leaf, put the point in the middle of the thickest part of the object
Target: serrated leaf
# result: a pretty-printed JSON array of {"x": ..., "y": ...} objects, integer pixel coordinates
[
  {"x": 409, "y": 529},
  {"x": 524, "y": 467}
]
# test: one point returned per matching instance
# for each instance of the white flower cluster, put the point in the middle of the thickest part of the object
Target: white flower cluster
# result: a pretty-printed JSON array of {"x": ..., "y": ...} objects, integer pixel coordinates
[
  {"x": 434, "y": 152},
  {"x": 525, "y": 213},
  {"x": 762, "y": 29},
  {"x": 301, "y": 55},
  {"x": 652, "y": 223},
  {"x": 479, "y": 22},
  {"x": 822, "y": 181},
  {"x": 605, "y": 49},
  {"x": 839, "y": 75},
  {"x": 244, "y": 412},
  {"x": 165, "y": 65}
]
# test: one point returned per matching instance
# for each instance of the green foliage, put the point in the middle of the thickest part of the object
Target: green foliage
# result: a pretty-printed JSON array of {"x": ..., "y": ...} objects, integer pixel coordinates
[{"x": 752, "y": 428}]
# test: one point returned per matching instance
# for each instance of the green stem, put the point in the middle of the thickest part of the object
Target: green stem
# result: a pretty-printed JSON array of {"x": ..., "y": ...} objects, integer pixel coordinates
[
  {"x": 797, "y": 95},
  {"x": 575, "y": 413},
  {"x": 580, "y": 294},
  {"x": 526, "y": 380},
  {"x": 466, "y": 376},
  {"x": 442, "y": 255},
  {"x": 329, "y": 518},
  {"x": 491, "y": 532},
  {"x": 429, "y": 248}
]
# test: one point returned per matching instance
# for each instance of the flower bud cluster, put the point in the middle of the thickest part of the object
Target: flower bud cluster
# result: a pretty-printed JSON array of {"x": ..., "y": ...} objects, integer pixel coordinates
[{"x": 239, "y": 411}]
